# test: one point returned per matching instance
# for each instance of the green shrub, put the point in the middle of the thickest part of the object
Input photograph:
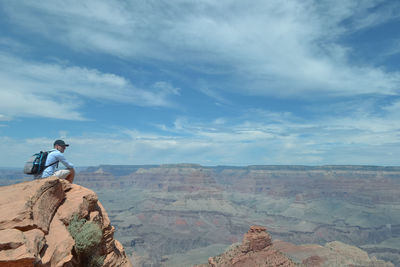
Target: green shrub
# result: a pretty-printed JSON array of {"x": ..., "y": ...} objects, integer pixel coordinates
[
  {"x": 87, "y": 236},
  {"x": 75, "y": 225}
]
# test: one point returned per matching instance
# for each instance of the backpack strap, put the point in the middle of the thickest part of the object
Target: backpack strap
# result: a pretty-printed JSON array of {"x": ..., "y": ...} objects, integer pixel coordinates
[
  {"x": 55, "y": 162},
  {"x": 51, "y": 164}
]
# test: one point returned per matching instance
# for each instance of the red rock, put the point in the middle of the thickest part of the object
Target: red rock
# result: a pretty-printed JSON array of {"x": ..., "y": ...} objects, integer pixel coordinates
[
  {"x": 104, "y": 216},
  {"x": 34, "y": 217},
  {"x": 332, "y": 254},
  {"x": 19, "y": 248},
  {"x": 60, "y": 245},
  {"x": 78, "y": 200},
  {"x": 255, "y": 250},
  {"x": 30, "y": 205},
  {"x": 180, "y": 222},
  {"x": 255, "y": 239},
  {"x": 117, "y": 257}
]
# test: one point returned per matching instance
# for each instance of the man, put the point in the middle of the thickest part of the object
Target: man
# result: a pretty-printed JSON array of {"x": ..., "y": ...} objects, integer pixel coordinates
[{"x": 56, "y": 155}]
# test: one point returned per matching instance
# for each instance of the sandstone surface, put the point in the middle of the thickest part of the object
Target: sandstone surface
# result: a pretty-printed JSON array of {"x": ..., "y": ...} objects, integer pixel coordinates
[
  {"x": 332, "y": 254},
  {"x": 255, "y": 251},
  {"x": 34, "y": 218}
]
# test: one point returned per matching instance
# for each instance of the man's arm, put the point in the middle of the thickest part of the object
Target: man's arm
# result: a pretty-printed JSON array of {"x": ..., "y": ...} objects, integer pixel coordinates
[
  {"x": 68, "y": 165},
  {"x": 64, "y": 161}
]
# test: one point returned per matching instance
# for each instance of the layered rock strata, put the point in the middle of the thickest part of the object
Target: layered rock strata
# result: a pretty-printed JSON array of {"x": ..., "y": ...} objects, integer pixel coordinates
[
  {"x": 332, "y": 254},
  {"x": 34, "y": 219},
  {"x": 255, "y": 250}
]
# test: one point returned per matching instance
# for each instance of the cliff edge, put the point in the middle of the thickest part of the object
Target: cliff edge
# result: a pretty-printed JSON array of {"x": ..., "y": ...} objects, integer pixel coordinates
[{"x": 35, "y": 228}]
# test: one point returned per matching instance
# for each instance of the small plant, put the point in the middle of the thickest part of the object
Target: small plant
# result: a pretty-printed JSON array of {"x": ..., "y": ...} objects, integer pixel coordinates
[
  {"x": 75, "y": 225},
  {"x": 87, "y": 236}
]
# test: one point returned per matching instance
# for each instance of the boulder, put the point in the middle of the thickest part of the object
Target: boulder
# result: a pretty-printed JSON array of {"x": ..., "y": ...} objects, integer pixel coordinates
[
  {"x": 19, "y": 248},
  {"x": 34, "y": 219},
  {"x": 30, "y": 205}
]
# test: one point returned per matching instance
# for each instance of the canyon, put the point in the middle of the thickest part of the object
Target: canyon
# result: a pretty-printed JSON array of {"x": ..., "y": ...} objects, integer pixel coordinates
[{"x": 182, "y": 214}]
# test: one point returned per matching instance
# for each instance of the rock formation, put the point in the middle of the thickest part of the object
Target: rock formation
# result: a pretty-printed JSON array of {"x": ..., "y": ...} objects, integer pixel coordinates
[
  {"x": 332, "y": 254},
  {"x": 168, "y": 214},
  {"x": 256, "y": 250},
  {"x": 166, "y": 211},
  {"x": 34, "y": 219}
]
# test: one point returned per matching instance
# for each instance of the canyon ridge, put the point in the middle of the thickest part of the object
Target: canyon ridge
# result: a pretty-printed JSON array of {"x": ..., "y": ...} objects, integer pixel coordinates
[{"x": 183, "y": 214}]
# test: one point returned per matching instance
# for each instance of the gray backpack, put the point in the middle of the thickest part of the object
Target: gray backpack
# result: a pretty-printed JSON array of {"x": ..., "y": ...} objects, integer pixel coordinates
[{"x": 37, "y": 163}]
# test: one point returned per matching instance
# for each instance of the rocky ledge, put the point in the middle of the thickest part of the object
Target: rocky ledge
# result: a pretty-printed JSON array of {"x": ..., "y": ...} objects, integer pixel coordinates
[
  {"x": 255, "y": 250},
  {"x": 34, "y": 220}
]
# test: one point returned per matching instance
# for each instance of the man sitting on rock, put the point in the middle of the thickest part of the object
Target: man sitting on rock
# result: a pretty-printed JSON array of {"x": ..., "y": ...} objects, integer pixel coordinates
[{"x": 56, "y": 155}]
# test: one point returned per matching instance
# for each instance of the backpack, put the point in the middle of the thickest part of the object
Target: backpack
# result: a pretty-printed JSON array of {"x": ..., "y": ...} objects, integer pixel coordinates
[{"x": 37, "y": 163}]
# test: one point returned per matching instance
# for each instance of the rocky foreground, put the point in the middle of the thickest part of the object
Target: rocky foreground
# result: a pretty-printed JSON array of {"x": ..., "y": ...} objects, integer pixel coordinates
[
  {"x": 258, "y": 250},
  {"x": 34, "y": 219}
]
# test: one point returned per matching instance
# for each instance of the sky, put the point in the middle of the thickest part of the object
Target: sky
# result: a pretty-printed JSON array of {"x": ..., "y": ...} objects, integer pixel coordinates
[{"x": 238, "y": 83}]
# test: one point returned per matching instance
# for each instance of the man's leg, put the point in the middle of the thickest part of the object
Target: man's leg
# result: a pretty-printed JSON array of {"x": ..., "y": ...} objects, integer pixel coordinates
[
  {"x": 68, "y": 174},
  {"x": 71, "y": 176}
]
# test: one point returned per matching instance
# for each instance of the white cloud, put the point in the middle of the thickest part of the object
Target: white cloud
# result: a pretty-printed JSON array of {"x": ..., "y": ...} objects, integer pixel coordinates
[
  {"x": 393, "y": 108},
  {"x": 279, "y": 48},
  {"x": 270, "y": 138},
  {"x": 4, "y": 117},
  {"x": 267, "y": 47},
  {"x": 55, "y": 91},
  {"x": 202, "y": 87},
  {"x": 14, "y": 103},
  {"x": 282, "y": 139},
  {"x": 364, "y": 18}
]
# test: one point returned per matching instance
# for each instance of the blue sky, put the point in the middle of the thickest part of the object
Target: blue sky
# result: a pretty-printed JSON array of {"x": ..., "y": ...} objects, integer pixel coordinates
[{"x": 207, "y": 82}]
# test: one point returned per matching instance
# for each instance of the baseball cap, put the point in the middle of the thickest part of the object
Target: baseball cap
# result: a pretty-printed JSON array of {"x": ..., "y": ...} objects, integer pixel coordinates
[{"x": 60, "y": 143}]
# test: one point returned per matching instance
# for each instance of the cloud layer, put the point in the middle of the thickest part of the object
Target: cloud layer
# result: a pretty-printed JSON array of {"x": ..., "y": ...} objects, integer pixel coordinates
[
  {"x": 58, "y": 90},
  {"x": 237, "y": 83},
  {"x": 272, "y": 139},
  {"x": 267, "y": 48}
]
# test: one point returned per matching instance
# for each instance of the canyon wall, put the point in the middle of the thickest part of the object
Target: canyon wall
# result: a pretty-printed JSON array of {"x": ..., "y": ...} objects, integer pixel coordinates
[
  {"x": 173, "y": 214},
  {"x": 179, "y": 215}
]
